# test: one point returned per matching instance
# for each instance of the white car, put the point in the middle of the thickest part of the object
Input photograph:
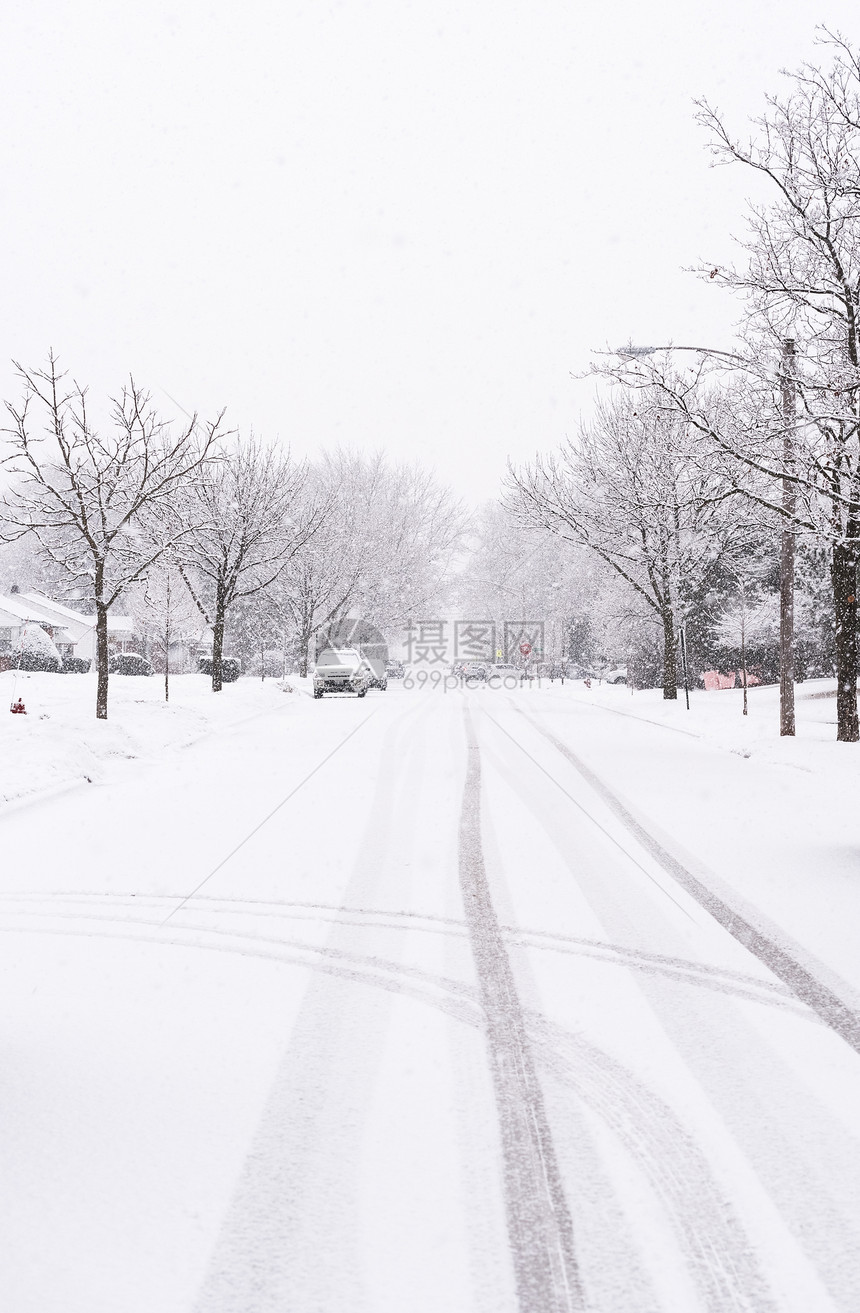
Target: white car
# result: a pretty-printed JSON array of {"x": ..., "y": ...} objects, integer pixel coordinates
[
  {"x": 341, "y": 670},
  {"x": 617, "y": 675}
]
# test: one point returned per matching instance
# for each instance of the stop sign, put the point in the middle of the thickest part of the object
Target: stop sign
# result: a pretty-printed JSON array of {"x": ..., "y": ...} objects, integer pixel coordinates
[{"x": 525, "y": 648}]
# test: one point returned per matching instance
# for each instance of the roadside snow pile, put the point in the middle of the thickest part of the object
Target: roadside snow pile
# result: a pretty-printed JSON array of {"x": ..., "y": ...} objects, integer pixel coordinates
[
  {"x": 716, "y": 716},
  {"x": 59, "y": 743}
]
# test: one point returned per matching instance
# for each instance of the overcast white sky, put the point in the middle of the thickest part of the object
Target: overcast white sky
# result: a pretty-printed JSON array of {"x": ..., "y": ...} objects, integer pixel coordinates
[{"x": 376, "y": 223}]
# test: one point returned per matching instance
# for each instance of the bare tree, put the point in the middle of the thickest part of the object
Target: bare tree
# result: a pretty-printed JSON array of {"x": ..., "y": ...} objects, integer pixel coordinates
[
  {"x": 747, "y": 611},
  {"x": 322, "y": 578},
  {"x": 249, "y": 519},
  {"x": 800, "y": 284},
  {"x": 413, "y": 530},
  {"x": 629, "y": 492},
  {"x": 385, "y": 550},
  {"x": 516, "y": 572},
  {"x": 99, "y": 503},
  {"x": 164, "y": 609}
]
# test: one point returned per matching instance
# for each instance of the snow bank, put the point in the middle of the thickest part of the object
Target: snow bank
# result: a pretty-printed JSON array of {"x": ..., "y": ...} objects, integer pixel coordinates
[{"x": 59, "y": 743}]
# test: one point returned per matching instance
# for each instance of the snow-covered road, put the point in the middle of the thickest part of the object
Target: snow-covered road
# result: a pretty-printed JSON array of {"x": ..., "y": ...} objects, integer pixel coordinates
[{"x": 439, "y": 1028}]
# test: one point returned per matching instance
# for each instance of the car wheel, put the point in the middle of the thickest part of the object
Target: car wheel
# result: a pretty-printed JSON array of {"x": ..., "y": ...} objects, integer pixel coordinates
[
  {"x": 362, "y": 692},
  {"x": 318, "y": 692}
]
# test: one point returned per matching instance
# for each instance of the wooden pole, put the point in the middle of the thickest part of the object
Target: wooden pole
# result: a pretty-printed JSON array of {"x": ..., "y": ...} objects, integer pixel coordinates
[{"x": 786, "y": 564}]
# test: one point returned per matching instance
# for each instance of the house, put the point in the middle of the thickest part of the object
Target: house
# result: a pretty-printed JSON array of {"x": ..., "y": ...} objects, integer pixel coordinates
[
  {"x": 16, "y": 613},
  {"x": 82, "y": 628}
]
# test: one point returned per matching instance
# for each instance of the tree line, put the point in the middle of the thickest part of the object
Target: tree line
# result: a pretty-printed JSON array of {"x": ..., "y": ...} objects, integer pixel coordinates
[
  {"x": 198, "y": 514},
  {"x": 702, "y": 464}
]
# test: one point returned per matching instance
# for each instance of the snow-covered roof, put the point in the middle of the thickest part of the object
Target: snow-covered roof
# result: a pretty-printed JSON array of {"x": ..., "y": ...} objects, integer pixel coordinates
[
  {"x": 24, "y": 608},
  {"x": 117, "y": 624},
  {"x": 8, "y": 620},
  {"x": 57, "y": 608}
]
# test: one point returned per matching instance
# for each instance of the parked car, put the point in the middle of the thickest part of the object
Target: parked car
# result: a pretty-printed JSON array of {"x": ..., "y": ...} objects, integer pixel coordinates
[
  {"x": 129, "y": 663},
  {"x": 473, "y": 670},
  {"x": 616, "y": 675},
  {"x": 575, "y": 671},
  {"x": 341, "y": 670},
  {"x": 552, "y": 670},
  {"x": 376, "y": 671}
]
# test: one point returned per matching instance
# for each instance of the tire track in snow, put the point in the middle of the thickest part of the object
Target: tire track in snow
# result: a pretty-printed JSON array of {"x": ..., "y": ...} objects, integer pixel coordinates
[
  {"x": 297, "y": 1232},
  {"x": 98, "y": 909},
  {"x": 711, "y": 1248},
  {"x": 453, "y": 997},
  {"x": 803, "y": 982},
  {"x": 650, "y": 1132},
  {"x": 539, "y": 1226},
  {"x": 784, "y": 1136},
  {"x": 716, "y": 1249}
]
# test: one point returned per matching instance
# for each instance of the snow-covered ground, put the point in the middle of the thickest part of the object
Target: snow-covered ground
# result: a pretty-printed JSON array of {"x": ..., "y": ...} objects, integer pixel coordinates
[
  {"x": 58, "y": 743},
  {"x": 412, "y": 1002}
]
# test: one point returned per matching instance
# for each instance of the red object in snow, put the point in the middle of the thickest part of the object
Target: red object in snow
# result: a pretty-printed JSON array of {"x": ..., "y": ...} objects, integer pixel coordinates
[
  {"x": 18, "y": 708},
  {"x": 714, "y": 679}
]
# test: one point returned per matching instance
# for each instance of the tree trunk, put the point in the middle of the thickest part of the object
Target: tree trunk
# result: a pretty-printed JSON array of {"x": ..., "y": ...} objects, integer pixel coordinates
[
  {"x": 786, "y": 634},
  {"x": 218, "y": 640},
  {"x": 670, "y": 662},
  {"x": 744, "y": 660},
  {"x": 304, "y": 654},
  {"x": 843, "y": 572},
  {"x": 102, "y": 660},
  {"x": 683, "y": 635},
  {"x": 167, "y": 644}
]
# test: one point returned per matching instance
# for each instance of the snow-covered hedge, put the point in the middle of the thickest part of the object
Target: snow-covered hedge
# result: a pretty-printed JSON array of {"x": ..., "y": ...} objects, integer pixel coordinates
[
  {"x": 231, "y": 668},
  {"x": 35, "y": 650}
]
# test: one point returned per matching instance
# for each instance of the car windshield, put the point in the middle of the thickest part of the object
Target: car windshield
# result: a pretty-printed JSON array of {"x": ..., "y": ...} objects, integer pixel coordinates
[{"x": 342, "y": 658}]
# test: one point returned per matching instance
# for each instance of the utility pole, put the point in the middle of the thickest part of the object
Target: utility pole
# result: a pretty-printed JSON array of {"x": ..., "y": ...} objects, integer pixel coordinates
[
  {"x": 786, "y": 560},
  {"x": 684, "y": 664}
]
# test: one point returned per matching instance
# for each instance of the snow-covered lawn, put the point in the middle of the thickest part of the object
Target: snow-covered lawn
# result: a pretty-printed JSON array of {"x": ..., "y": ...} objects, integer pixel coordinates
[{"x": 59, "y": 742}]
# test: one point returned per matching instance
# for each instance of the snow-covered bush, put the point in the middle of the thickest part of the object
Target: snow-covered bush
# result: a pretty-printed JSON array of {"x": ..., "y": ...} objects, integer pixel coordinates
[
  {"x": 231, "y": 667},
  {"x": 74, "y": 665},
  {"x": 35, "y": 650},
  {"x": 129, "y": 663}
]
